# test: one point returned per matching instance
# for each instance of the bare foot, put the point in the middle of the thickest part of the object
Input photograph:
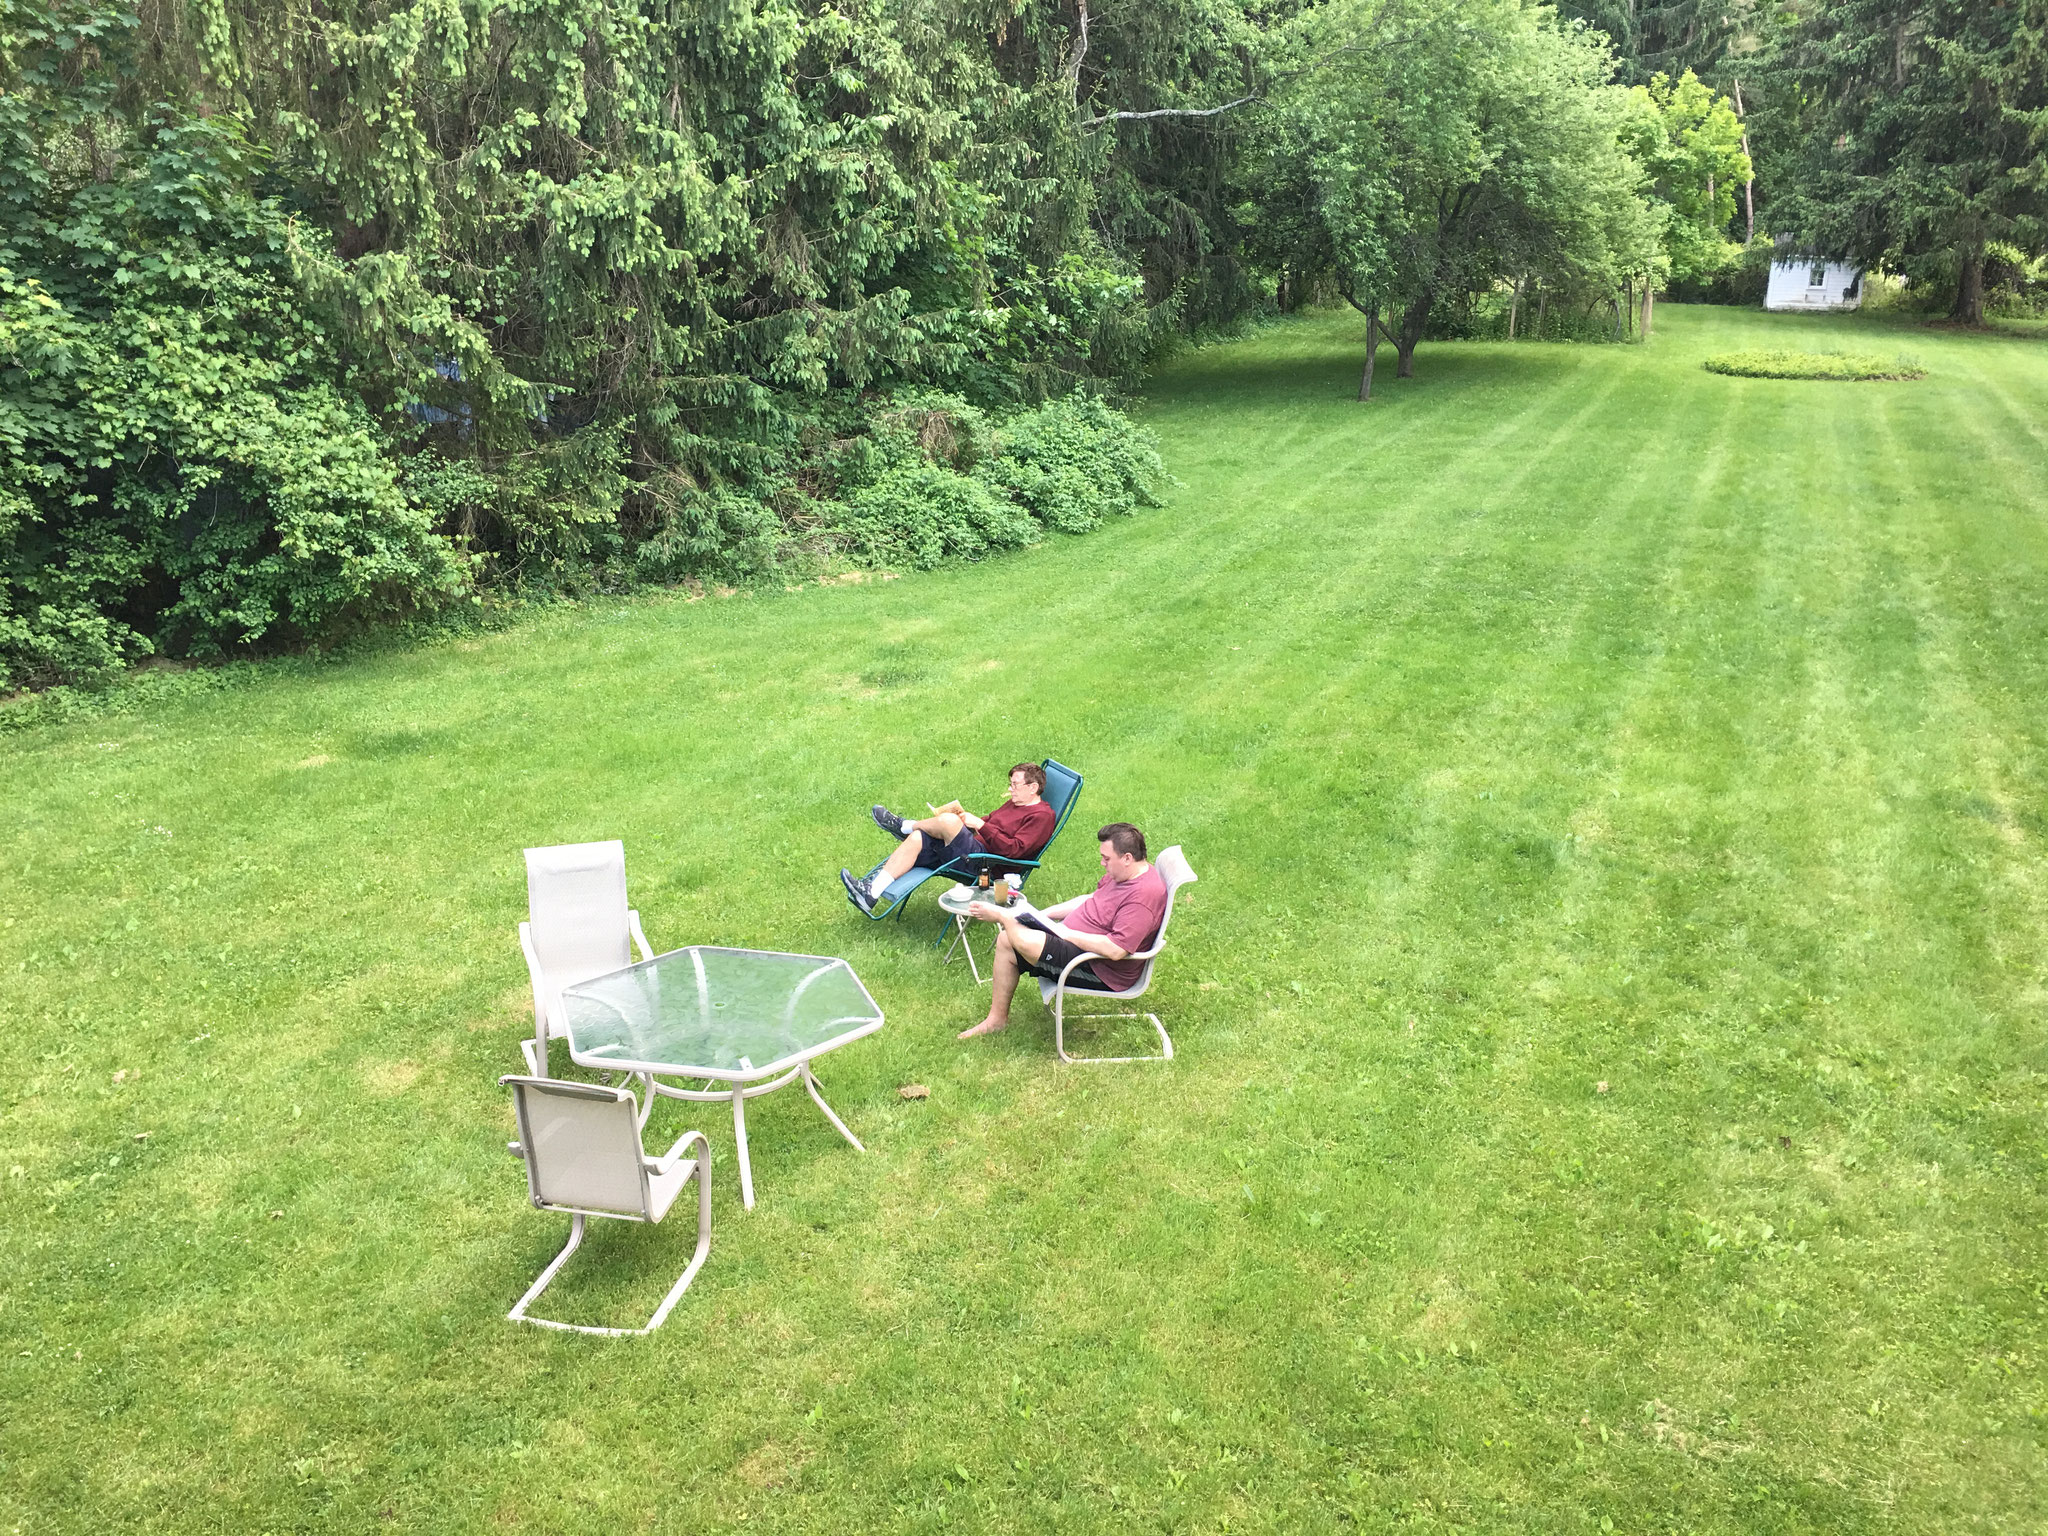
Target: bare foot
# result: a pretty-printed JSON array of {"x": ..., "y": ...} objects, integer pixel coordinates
[{"x": 985, "y": 1027}]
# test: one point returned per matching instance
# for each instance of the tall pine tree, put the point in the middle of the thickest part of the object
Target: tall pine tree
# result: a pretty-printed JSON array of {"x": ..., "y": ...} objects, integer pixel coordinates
[
  {"x": 1667, "y": 37},
  {"x": 1917, "y": 133}
]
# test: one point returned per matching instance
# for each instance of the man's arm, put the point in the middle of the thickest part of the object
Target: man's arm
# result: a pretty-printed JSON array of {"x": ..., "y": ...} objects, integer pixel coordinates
[{"x": 1094, "y": 943}]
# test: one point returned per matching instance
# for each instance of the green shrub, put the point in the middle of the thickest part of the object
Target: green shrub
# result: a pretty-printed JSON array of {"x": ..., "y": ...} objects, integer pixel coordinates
[
  {"x": 934, "y": 480},
  {"x": 178, "y": 471},
  {"x": 1073, "y": 462},
  {"x": 1811, "y": 365},
  {"x": 919, "y": 514}
]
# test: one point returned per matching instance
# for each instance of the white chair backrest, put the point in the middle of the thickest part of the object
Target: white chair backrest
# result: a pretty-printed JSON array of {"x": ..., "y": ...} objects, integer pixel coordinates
[
  {"x": 576, "y": 903},
  {"x": 582, "y": 1146},
  {"x": 1175, "y": 870}
]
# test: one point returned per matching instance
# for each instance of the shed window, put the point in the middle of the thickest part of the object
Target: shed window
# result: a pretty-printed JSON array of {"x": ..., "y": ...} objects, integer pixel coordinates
[{"x": 1818, "y": 278}]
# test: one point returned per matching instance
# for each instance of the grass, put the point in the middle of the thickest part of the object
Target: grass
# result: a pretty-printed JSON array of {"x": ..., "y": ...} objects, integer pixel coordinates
[
  {"x": 1779, "y": 363},
  {"x": 1562, "y": 719}
]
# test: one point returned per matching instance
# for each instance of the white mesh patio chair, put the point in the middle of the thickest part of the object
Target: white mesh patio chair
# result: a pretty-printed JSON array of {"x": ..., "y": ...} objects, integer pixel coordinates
[
  {"x": 583, "y": 1155},
  {"x": 578, "y": 926},
  {"x": 1174, "y": 869}
]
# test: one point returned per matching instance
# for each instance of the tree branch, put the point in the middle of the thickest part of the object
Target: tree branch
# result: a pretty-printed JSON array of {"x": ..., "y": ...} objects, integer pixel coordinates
[
  {"x": 1138, "y": 117},
  {"x": 1074, "y": 71}
]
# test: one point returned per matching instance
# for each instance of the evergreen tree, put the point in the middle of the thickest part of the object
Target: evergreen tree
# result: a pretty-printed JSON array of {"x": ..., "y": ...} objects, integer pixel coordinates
[
  {"x": 1916, "y": 133},
  {"x": 1668, "y": 37}
]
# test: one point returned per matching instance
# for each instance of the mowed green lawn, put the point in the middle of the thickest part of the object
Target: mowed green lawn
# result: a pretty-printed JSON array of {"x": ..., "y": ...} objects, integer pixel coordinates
[{"x": 1611, "y": 1078}]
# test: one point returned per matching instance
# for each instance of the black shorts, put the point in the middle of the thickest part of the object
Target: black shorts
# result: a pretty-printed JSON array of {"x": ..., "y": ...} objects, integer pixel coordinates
[
  {"x": 931, "y": 856},
  {"x": 1054, "y": 957}
]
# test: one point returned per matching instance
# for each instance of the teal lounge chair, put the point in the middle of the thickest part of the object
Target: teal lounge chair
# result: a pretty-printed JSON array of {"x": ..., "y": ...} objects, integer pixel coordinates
[{"x": 1062, "y": 789}]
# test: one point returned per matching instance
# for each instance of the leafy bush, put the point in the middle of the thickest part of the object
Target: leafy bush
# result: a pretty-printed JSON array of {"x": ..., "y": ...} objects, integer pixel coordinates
[
  {"x": 721, "y": 533},
  {"x": 179, "y": 470},
  {"x": 1073, "y": 462},
  {"x": 919, "y": 514},
  {"x": 934, "y": 480},
  {"x": 1811, "y": 365}
]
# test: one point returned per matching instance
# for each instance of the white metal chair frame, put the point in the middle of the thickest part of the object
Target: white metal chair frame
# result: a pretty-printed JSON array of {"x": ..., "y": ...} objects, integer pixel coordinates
[
  {"x": 547, "y": 990},
  {"x": 661, "y": 1180},
  {"x": 1174, "y": 869}
]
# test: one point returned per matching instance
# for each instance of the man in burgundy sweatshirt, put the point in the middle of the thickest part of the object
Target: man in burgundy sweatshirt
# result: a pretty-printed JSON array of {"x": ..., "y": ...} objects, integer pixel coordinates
[{"x": 1016, "y": 829}]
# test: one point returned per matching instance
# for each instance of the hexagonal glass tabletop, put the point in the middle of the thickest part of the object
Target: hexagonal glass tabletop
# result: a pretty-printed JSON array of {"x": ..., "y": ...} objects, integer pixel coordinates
[{"x": 705, "y": 1011}]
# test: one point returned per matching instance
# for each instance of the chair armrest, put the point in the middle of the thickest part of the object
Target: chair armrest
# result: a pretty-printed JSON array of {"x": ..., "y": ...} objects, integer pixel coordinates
[
  {"x": 639, "y": 936},
  {"x": 1000, "y": 858},
  {"x": 1079, "y": 959},
  {"x": 667, "y": 1161}
]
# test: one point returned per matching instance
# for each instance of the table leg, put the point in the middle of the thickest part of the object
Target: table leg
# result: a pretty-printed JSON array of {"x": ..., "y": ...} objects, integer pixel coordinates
[
  {"x": 739, "y": 1135},
  {"x": 962, "y": 941},
  {"x": 818, "y": 1098}
]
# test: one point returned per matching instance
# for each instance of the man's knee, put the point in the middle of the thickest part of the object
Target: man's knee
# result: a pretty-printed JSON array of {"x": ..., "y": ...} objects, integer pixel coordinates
[{"x": 914, "y": 841}]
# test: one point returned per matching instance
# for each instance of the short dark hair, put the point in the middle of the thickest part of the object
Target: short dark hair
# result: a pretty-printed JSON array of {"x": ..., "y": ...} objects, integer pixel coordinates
[
  {"x": 1124, "y": 838},
  {"x": 1030, "y": 771}
]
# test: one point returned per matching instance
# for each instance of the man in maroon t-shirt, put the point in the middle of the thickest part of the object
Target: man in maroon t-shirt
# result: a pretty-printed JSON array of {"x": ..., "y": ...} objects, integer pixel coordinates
[
  {"x": 1016, "y": 829},
  {"x": 1116, "y": 920}
]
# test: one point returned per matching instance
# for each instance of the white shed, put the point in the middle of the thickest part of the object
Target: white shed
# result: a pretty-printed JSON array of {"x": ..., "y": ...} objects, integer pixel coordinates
[{"x": 1804, "y": 284}]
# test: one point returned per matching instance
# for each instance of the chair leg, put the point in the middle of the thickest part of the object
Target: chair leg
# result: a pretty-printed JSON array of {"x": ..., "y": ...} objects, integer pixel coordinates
[
  {"x": 703, "y": 1177},
  {"x": 1059, "y": 1036},
  {"x": 518, "y": 1312}
]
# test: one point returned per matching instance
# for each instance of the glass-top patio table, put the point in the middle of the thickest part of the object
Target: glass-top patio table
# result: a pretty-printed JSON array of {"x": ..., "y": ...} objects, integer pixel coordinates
[{"x": 750, "y": 1018}]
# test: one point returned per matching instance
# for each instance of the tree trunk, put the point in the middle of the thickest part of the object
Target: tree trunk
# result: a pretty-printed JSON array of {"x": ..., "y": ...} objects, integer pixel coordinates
[
  {"x": 1411, "y": 336},
  {"x": 1749, "y": 186},
  {"x": 1969, "y": 306},
  {"x": 1542, "y": 305},
  {"x": 1514, "y": 301},
  {"x": 1649, "y": 303},
  {"x": 1628, "y": 305},
  {"x": 1372, "y": 352}
]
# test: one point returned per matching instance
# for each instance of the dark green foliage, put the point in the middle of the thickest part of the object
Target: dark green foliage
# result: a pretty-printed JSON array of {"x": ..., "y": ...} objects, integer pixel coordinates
[
  {"x": 935, "y": 480},
  {"x": 1913, "y": 133},
  {"x": 314, "y": 309},
  {"x": 182, "y": 471},
  {"x": 920, "y": 514},
  {"x": 1668, "y": 37}
]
